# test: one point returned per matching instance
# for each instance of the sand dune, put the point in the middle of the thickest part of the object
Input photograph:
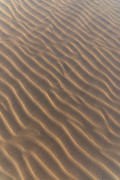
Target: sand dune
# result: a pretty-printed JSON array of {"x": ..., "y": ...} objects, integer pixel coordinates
[{"x": 59, "y": 89}]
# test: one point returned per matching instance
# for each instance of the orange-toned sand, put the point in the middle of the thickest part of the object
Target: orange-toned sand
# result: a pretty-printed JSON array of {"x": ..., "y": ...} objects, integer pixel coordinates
[{"x": 59, "y": 89}]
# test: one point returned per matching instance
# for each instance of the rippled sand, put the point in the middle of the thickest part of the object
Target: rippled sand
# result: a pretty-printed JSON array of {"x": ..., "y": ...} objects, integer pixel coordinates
[{"x": 59, "y": 89}]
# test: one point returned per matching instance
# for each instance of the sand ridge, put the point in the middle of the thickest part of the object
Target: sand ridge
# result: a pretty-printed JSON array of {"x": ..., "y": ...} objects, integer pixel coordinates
[{"x": 59, "y": 89}]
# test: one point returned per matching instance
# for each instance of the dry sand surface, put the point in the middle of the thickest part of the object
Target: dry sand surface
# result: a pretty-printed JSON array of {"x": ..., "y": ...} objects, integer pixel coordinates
[{"x": 59, "y": 89}]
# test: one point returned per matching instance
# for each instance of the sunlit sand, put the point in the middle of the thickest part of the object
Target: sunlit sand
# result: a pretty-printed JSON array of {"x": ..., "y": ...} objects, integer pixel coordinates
[{"x": 59, "y": 89}]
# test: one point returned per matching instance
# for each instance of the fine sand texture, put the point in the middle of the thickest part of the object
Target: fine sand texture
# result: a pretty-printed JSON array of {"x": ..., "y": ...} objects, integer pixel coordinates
[{"x": 59, "y": 89}]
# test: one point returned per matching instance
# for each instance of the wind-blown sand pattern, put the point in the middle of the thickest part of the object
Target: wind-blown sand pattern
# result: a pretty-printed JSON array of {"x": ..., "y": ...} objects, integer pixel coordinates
[{"x": 59, "y": 89}]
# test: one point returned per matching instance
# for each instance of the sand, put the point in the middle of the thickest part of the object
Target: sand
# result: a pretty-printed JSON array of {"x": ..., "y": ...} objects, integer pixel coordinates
[{"x": 59, "y": 89}]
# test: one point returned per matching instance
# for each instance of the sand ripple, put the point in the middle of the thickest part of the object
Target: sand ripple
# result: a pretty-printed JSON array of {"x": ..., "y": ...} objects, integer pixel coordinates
[{"x": 59, "y": 89}]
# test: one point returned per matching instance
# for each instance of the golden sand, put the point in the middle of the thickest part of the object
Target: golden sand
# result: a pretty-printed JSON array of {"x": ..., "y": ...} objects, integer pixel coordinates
[{"x": 59, "y": 89}]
